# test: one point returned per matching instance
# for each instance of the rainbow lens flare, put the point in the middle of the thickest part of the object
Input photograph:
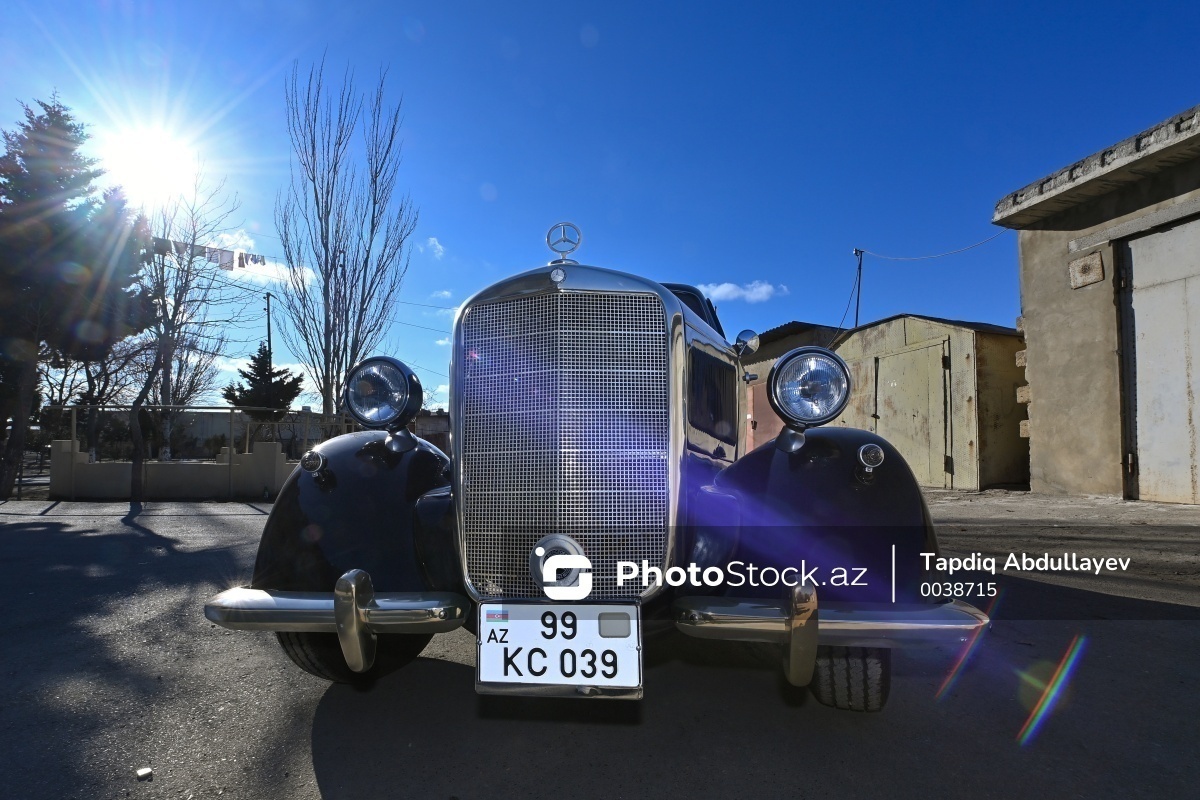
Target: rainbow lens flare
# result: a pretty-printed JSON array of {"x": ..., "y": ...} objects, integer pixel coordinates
[
  {"x": 967, "y": 651},
  {"x": 1053, "y": 690}
]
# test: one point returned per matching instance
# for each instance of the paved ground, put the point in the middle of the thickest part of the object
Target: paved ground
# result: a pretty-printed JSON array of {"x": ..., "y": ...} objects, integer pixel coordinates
[{"x": 111, "y": 666}]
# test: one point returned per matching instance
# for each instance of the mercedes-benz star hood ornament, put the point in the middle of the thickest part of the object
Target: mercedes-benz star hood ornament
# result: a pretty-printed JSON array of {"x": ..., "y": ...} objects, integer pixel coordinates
[{"x": 563, "y": 238}]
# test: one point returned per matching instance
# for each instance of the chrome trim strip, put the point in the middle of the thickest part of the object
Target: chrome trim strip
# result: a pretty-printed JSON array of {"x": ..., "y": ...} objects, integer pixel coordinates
[
  {"x": 762, "y": 620},
  {"x": 949, "y": 623},
  {"x": 731, "y": 619},
  {"x": 580, "y": 278},
  {"x": 246, "y": 609},
  {"x": 559, "y": 690}
]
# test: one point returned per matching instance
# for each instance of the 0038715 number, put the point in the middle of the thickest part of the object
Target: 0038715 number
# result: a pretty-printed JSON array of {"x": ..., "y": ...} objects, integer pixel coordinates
[{"x": 958, "y": 589}]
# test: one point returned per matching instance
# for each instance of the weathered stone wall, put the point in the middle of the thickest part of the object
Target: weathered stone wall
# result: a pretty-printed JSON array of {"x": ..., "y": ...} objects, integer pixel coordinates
[{"x": 1069, "y": 303}]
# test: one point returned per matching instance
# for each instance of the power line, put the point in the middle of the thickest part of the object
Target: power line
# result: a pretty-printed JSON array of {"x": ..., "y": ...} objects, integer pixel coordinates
[
  {"x": 415, "y": 325},
  {"x": 842, "y": 321},
  {"x": 425, "y": 369},
  {"x": 938, "y": 255},
  {"x": 856, "y": 290},
  {"x": 427, "y": 305},
  {"x": 283, "y": 263},
  {"x": 199, "y": 274}
]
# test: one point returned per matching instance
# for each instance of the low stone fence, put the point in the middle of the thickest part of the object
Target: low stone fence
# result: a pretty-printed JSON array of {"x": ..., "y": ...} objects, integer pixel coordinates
[{"x": 250, "y": 475}]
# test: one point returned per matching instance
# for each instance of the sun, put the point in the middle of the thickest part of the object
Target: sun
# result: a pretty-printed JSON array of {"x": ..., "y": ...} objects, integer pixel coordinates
[{"x": 152, "y": 164}]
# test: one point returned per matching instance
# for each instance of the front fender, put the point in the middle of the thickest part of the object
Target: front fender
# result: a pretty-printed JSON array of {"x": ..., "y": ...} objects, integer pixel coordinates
[
  {"x": 358, "y": 512},
  {"x": 818, "y": 508}
]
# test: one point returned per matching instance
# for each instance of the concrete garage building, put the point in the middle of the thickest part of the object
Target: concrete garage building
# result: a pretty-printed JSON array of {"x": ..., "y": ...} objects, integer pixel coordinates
[
  {"x": 944, "y": 392},
  {"x": 1109, "y": 251}
]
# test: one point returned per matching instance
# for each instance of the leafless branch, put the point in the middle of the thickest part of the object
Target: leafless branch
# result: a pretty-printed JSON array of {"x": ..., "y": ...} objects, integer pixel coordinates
[
  {"x": 192, "y": 303},
  {"x": 344, "y": 228}
]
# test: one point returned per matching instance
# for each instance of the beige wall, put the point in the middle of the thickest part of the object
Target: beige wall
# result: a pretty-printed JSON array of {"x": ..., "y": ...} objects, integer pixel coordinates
[
  {"x": 915, "y": 348},
  {"x": 1073, "y": 354},
  {"x": 1004, "y": 453},
  {"x": 71, "y": 477}
]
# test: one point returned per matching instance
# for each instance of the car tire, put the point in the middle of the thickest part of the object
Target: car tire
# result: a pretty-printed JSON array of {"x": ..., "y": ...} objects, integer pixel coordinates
[
  {"x": 320, "y": 654},
  {"x": 852, "y": 678}
]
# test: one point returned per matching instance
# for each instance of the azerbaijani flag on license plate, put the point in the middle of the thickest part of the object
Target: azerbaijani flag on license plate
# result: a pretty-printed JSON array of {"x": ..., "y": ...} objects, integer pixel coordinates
[{"x": 497, "y": 616}]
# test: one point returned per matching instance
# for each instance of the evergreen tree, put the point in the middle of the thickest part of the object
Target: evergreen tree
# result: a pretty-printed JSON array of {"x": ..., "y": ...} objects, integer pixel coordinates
[
  {"x": 69, "y": 260},
  {"x": 264, "y": 387}
]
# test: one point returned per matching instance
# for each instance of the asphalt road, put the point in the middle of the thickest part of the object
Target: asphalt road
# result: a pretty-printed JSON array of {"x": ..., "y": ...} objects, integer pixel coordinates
[{"x": 110, "y": 666}]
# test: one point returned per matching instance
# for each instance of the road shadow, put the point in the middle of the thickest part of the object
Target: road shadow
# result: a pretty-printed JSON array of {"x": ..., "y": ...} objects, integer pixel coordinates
[
  {"x": 101, "y": 625},
  {"x": 719, "y": 721}
]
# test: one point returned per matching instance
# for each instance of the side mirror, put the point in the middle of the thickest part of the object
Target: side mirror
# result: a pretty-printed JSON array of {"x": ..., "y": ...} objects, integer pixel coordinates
[{"x": 746, "y": 344}]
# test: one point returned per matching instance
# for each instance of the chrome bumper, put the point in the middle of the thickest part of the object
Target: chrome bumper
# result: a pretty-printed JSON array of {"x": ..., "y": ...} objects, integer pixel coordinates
[
  {"x": 796, "y": 623},
  {"x": 352, "y": 610},
  {"x": 763, "y": 620}
]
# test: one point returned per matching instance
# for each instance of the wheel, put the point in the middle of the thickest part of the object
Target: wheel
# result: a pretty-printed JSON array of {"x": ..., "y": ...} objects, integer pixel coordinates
[
  {"x": 320, "y": 654},
  {"x": 852, "y": 678}
]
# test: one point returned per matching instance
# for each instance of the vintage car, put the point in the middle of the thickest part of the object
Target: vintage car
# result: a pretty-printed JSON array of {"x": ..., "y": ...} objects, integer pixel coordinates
[{"x": 596, "y": 494}]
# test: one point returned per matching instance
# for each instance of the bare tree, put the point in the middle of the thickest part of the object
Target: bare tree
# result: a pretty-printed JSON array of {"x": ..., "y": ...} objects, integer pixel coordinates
[
  {"x": 192, "y": 372},
  {"x": 343, "y": 225},
  {"x": 60, "y": 376},
  {"x": 114, "y": 378},
  {"x": 193, "y": 305}
]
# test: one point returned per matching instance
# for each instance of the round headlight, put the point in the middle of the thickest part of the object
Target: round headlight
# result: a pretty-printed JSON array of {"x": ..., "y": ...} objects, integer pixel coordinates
[
  {"x": 808, "y": 386},
  {"x": 383, "y": 393}
]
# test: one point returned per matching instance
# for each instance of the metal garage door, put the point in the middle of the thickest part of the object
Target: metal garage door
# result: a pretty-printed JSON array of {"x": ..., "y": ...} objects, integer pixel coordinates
[
  {"x": 1162, "y": 300},
  {"x": 911, "y": 408}
]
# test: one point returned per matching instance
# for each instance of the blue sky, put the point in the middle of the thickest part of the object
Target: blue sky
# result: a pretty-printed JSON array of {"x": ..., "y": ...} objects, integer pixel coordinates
[{"x": 753, "y": 144}]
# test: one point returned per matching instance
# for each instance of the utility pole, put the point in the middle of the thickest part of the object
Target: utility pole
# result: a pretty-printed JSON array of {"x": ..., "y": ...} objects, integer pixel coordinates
[
  {"x": 270, "y": 353},
  {"x": 857, "y": 293}
]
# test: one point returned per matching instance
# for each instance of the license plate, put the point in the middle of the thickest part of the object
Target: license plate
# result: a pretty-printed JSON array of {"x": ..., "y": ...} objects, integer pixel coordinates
[{"x": 560, "y": 645}]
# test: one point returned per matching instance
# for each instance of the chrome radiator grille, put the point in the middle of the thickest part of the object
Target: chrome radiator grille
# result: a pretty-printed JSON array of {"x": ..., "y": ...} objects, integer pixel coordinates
[{"x": 563, "y": 430}]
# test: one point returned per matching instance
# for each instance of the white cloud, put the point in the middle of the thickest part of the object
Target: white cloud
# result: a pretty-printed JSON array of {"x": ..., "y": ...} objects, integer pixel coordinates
[
  {"x": 434, "y": 246},
  {"x": 231, "y": 365},
  {"x": 753, "y": 292},
  {"x": 240, "y": 241},
  {"x": 236, "y": 240},
  {"x": 443, "y": 294},
  {"x": 444, "y": 342},
  {"x": 270, "y": 272}
]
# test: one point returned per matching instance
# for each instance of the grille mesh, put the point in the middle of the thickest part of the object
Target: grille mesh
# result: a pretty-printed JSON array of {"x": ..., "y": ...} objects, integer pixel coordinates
[{"x": 564, "y": 430}]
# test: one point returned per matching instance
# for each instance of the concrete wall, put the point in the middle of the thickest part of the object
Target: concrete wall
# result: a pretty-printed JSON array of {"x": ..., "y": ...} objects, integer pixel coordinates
[
  {"x": 1073, "y": 362},
  {"x": 71, "y": 477},
  {"x": 1004, "y": 453}
]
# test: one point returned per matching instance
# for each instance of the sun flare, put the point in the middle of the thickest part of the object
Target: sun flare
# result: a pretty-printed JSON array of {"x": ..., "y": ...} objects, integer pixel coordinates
[{"x": 152, "y": 164}]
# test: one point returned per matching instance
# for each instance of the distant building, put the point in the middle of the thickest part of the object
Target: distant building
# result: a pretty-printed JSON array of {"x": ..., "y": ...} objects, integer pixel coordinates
[
  {"x": 944, "y": 392},
  {"x": 434, "y": 427},
  {"x": 1109, "y": 251}
]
